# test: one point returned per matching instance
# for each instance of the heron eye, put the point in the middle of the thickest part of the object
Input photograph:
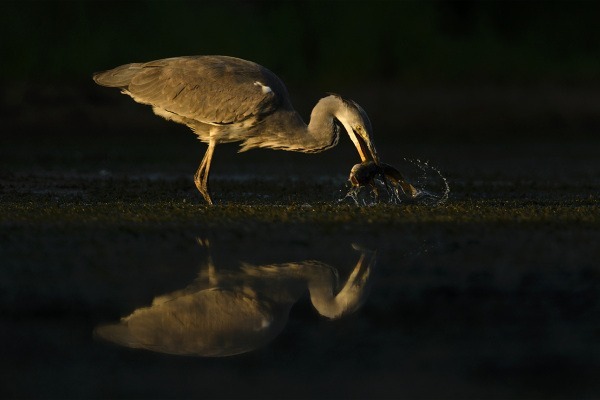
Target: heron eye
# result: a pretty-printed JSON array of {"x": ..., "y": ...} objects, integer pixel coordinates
[{"x": 359, "y": 129}]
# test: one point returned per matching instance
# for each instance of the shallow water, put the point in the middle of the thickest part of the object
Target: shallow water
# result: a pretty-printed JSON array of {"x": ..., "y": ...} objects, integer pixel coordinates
[
  {"x": 491, "y": 293},
  {"x": 426, "y": 305}
]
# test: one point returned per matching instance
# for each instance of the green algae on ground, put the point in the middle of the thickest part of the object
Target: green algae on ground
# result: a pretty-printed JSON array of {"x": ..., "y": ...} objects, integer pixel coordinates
[{"x": 28, "y": 210}]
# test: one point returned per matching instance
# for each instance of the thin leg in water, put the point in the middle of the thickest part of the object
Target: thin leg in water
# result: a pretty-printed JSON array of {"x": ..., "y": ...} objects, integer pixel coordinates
[{"x": 201, "y": 176}]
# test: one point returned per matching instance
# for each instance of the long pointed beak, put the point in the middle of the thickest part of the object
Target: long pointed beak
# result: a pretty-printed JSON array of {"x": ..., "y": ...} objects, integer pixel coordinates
[
  {"x": 370, "y": 148},
  {"x": 366, "y": 148}
]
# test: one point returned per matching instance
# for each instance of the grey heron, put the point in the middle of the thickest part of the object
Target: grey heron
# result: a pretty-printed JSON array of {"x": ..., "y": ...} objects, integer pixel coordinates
[{"x": 225, "y": 99}]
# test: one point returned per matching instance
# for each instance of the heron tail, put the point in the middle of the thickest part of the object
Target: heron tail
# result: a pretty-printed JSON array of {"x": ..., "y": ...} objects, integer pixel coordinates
[{"x": 117, "y": 77}]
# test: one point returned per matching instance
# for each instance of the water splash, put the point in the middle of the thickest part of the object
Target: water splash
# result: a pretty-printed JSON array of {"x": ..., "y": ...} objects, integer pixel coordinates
[{"x": 432, "y": 188}]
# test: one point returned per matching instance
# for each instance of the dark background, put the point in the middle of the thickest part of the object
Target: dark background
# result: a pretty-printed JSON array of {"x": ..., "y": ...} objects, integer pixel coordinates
[
  {"x": 444, "y": 71},
  {"x": 313, "y": 43}
]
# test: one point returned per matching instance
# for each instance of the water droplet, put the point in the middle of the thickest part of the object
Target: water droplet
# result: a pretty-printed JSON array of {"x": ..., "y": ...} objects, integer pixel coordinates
[{"x": 432, "y": 188}]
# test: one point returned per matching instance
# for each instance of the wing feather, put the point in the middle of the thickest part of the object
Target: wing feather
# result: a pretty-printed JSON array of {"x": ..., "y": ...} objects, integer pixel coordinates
[{"x": 209, "y": 89}]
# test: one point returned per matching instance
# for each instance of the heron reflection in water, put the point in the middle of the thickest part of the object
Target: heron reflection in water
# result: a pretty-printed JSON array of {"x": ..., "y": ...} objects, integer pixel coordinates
[
  {"x": 229, "y": 312},
  {"x": 226, "y": 99}
]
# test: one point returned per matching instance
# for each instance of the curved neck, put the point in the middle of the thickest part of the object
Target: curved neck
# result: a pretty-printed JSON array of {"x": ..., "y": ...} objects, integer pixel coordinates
[
  {"x": 320, "y": 134},
  {"x": 322, "y": 128},
  {"x": 287, "y": 130}
]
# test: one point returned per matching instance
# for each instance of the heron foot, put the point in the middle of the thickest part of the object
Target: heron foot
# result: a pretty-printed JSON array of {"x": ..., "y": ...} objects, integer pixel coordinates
[{"x": 202, "y": 185}]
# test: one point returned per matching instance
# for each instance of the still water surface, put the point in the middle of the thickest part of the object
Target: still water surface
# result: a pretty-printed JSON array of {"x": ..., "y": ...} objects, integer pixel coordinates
[
  {"x": 233, "y": 309},
  {"x": 420, "y": 313}
]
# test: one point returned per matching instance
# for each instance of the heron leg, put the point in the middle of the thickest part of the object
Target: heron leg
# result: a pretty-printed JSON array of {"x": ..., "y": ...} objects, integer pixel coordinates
[{"x": 201, "y": 176}]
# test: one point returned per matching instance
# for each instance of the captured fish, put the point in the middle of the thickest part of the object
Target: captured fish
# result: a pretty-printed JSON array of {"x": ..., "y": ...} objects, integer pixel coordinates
[{"x": 366, "y": 173}]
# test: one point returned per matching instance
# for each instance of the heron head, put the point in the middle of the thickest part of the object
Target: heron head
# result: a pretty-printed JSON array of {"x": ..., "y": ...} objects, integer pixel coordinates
[{"x": 358, "y": 126}]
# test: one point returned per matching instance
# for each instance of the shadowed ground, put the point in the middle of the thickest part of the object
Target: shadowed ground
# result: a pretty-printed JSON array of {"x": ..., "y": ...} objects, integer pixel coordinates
[{"x": 494, "y": 293}]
